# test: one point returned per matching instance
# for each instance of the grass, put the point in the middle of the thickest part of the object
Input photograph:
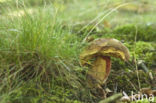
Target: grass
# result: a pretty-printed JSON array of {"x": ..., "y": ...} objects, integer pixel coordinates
[
  {"x": 36, "y": 48},
  {"x": 40, "y": 45}
]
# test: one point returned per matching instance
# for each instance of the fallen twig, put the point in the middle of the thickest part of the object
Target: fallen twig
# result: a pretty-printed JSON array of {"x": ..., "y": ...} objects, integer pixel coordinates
[{"x": 112, "y": 99}]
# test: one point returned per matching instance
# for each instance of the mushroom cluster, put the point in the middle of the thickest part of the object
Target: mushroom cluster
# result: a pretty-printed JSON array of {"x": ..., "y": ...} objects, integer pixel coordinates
[{"x": 101, "y": 50}]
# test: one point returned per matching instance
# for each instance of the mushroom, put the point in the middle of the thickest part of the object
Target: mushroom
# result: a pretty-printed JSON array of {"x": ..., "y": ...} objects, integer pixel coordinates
[{"x": 101, "y": 50}]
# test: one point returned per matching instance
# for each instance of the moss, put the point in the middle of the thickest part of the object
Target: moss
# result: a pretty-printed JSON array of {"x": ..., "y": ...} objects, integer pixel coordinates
[
  {"x": 141, "y": 32},
  {"x": 143, "y": 51},
  {"x": 127, "y": 81}
]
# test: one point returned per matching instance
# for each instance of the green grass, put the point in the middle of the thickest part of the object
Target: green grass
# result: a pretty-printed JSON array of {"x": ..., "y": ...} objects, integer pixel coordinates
[
  {"x": 40, "y": 45},
  {"x": 36, "y": 53}
]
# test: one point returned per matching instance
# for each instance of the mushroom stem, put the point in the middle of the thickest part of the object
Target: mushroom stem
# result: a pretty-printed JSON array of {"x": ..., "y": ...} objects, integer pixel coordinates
[
  {"x": 101, "y": 69},
  {"x": 108, "y": 66}
]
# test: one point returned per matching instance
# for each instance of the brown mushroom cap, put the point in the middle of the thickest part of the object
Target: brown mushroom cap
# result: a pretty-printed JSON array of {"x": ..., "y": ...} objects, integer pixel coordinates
[{"x": 105, "y": 47}]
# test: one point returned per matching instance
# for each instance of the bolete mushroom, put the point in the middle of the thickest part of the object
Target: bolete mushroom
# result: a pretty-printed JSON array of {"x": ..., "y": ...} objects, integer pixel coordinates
[{"x": 101, "y": 50}]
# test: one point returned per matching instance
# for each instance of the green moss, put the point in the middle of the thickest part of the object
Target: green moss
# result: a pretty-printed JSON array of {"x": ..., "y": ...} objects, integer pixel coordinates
[
  {"x": 128, "y": 80},
  {"x": 142, "y": 51},
  {"x": 140, "y": 32}
]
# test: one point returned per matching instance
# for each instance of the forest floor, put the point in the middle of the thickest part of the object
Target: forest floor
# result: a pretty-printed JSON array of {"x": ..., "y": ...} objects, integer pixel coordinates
[{"x": 41, "y": 41}]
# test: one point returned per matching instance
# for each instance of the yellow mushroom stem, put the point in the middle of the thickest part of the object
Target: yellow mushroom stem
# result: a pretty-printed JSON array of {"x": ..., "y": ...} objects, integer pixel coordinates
[{"x": 100, "y": 70}]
